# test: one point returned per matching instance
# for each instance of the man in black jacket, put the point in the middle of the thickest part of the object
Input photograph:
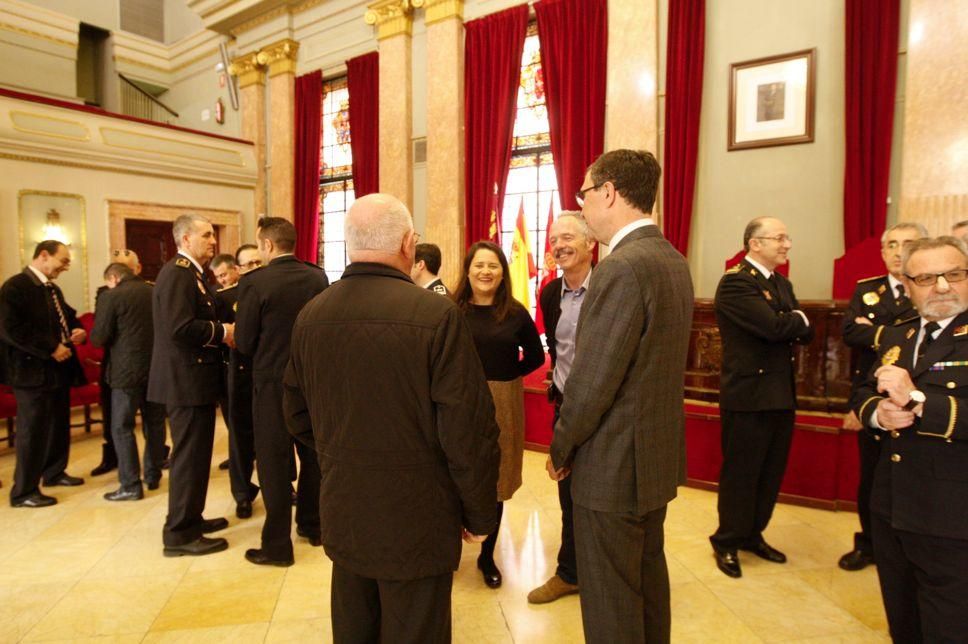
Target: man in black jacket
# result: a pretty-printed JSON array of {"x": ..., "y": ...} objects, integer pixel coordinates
[
  {"x": 385, "y": 383},
  {"x": 186, "y": 376},
  {"x": 38, "y": 332},
  {"x": 270, "y": 298},
  {"x": 124, "y": 325},
  {"x": 426, "y": 266},
  {"x": 759, "y": 321}
]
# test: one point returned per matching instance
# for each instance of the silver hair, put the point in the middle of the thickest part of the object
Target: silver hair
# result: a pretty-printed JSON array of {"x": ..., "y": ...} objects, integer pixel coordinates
[
  {"x": 930, "y": 243},
  {"x": 382, "y": 230},
  {"x": 577, "y": 216},
  {"x": 905, "y": 225},
  {"x": 185, "y": 224}
]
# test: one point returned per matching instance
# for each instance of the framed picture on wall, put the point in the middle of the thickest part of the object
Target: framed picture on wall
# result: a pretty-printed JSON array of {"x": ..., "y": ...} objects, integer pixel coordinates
[{"x": 771, "y": 101}]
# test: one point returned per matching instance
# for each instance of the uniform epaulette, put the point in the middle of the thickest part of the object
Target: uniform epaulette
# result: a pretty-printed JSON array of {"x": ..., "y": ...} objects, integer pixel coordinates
[
  {"x": 871, "y": 279},
  {"x": 183, "y": 263},
  {"x": 907, "y": 320},
  {"x": 734, "y": 269},
  {"x": 227, "y": 288},
  {"x": 250, "y": 271}
]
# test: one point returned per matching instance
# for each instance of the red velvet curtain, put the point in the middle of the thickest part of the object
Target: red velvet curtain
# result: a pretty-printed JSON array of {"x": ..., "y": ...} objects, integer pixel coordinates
[
  {"x": 309, "y": 97},
  {"x": 492, "y": 68},
  {"x": 684, "y": 70},
  {"x": 574, "y": 52},
  {"x": 363, "y": 84},
  {"x": 871, "y": 75}
]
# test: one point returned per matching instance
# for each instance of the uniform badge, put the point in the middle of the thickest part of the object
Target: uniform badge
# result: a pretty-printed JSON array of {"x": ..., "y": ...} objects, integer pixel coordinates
[
  {"x": 201, "y": 287},
  {"x": 182, "y": 262},
  {"x": 891, "y": 356},
  {"x": 235, "y": 307},
  {"x": 871, "y": 298},
  {"x": 753, "y": 272},
  {"x": 871, "y": 315},
  {"x": 910, "y": 334},
  {"x": 767, "y": 295},
  {"x": 961, "y": 330},
  {"x": 881, "y": 288}
]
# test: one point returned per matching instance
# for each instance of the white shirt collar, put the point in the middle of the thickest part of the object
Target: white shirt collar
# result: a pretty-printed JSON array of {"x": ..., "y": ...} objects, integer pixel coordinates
[
  {"x": 763, "y": 269},
  {"x": 943, "y": 324},
  {"x": 894, "y": 282},
  {"x": 429, "y": 282},
  {"x": 43, "y": 278},
  {"x": 627, "y": 228},
  {"x": 192, "y": 260}
]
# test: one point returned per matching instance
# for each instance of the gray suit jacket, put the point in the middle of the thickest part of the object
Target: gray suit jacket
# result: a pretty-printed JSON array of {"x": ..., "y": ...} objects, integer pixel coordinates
[{"x": 622, "y": 424}]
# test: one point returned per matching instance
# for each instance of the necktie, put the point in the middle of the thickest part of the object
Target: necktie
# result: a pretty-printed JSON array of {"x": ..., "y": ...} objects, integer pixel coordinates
[
  {"x": 65, "y": 332},
  {"x": 900, "y": 294},
  {"x": 928, "y": 338}
]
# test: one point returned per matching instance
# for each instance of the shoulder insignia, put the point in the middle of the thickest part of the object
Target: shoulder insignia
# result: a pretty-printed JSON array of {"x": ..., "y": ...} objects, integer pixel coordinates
[
  {"x": 891, "y": 355},
  {"x": 881, "y": 288},
  {"x": 235, "y": 307},
  {"x": 734, "y": 269},
  {"x": 910, "y": 334},
  {"x": 753, "y": 272},
  {"x": 441, "y": 289},
  {"x": 961, "y": 330},
  {"x": 252, "y": 270},
  {"x": 871, "y": 298},
  {"x": 871, "y": 279},
  {"x": 767, "y": 295},
  {"x": 183, "y": 263}
]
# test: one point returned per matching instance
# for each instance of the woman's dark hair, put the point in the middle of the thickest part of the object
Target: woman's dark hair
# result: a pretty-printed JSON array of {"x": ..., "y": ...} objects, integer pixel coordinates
[{"x": 503, "y": 302}]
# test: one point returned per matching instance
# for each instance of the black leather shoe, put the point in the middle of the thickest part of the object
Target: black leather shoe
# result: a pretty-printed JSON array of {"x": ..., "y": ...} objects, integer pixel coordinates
[
  {"x": 214, "y": 525},
  {"x": 120, "y": 494},
  {"x": 153, "y": 485},
  {"x": 243, "y": 509},
  {"x": 66, "y": 480},
  {"x": 35, "y": 500},
  {"x": 109, "y": 461},
  {"x": 763, "y": 550},
  {"x": 314, "y": 540},
  {"x": 855, "y": 560},
  {"x": 224, "y": 465},
  {"x": 258, "y": 557},
  {"x": 197, "y": 548},
  {"x": 728, "y": 562},
  {"x": 492, "y": 576}
]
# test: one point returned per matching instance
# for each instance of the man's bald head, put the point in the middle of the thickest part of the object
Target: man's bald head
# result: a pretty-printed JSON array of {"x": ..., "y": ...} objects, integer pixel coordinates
[
  {"x": 127, "y": 257},
  {"x": 379, "y": 229}
]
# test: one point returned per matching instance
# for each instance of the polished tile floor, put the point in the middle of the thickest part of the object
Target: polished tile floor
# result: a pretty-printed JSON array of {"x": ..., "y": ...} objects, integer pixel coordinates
[{"x": 92, "y": 571}]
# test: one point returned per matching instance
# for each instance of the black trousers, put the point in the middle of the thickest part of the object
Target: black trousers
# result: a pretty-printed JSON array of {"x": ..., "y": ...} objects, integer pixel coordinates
[
  {"x": 567, "y": 563},
  {"x": 378, "y": 611},
  {"x": 869, "y": 450},
  {"x": 924, "y": 584},
  {"x": 125, "y": 405},
  {"x": 106, "y": 402},
  {"x": 755, "y": 449},
  {"x": 192, "y": 435},
  {"x": 241, "y": 439},
  {"x": 624, "y": 576},
  {"x": 273, "y": 446},
  {"x": 43, "y": 438}
]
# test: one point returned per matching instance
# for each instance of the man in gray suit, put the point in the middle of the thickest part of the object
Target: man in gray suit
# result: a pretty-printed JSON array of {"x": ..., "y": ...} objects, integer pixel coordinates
[{"x": 621, "y": 432}]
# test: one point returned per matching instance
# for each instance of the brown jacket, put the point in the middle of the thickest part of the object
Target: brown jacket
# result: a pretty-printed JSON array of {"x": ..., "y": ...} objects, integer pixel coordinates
[{"x": 384, "y": 381}]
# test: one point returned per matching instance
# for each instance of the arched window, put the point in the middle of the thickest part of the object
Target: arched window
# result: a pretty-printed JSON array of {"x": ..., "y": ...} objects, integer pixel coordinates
[{"x": 335, "y": 177}]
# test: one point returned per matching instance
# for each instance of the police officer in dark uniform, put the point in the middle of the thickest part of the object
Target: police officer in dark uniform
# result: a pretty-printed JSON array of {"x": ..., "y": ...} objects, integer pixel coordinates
[
  {"x": 917, "y": 401},
  {"x": 270, "y": 299},
  {"x": 759, "y": 321},
  {"x": 186, "y": 376},
  {"x": 878, "y": 302},
  {"x": 426, "y": 265}
]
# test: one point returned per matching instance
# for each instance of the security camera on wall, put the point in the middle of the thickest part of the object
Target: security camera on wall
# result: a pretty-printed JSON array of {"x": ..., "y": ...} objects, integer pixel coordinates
[{"x": 223, "y": 68}]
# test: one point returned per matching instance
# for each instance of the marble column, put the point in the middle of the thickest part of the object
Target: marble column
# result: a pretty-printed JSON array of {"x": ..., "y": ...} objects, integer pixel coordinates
[
  {"x": 252, "y": 96},
  {"x": 394, "y": 20},
  {"x": 280, "y": 58},
  {"x": 445, "y": 137}
]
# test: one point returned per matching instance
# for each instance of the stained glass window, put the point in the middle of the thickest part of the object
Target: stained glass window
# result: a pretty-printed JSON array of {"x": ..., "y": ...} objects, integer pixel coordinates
[{"x": 335, "y": 177}]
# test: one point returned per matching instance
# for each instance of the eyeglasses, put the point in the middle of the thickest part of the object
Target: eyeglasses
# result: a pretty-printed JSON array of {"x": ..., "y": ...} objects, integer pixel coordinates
[
  {"x": 254, "y": 263},
  {"x": 780, "y": 239},
  {"x": 580, "y": 195},
  {"x": 930, "y": 279},
  {"x": 124, "y": 252}
]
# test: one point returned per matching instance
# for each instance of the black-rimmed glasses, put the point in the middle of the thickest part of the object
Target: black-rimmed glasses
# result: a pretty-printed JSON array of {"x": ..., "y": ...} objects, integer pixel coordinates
[
  {"x": 930, "y": 279},
  {"x": 580, "y": 195}
]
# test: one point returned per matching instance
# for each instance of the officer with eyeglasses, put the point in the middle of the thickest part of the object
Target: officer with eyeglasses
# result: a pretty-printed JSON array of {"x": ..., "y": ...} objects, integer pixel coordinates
[
  {"x": 759, "y": 322},
  {"x": 917, "y": 401}
]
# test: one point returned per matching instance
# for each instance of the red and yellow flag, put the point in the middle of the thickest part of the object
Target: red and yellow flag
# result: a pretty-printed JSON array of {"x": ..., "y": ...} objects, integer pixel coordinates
[{"x": 522, "y": 266}]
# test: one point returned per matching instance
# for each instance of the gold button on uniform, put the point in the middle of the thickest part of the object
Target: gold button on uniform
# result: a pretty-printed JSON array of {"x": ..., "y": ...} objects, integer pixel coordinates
[
  {"x": 950, "y": 385},
  {"x": 895, "y": 435},
  {"x": 895, "y": 458},
  {"x": 760, "y": 371}
]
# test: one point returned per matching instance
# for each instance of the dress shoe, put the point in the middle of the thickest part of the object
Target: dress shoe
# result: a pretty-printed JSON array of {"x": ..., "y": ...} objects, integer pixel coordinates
[
  {"x": 855, "y": 560},
  {"x": 728, "y": 562},
  {"x": 197, "y": 548},
  {"x": 35, "y": 500},
  {"x": 224, "y": 465},
  {"x": 214, "y": 525},
  {"x": 109, "y": 461},
  {"x": 492, "y": 576},
  {"x": 259, "y": 557},
  {"x": 153, "y": 485},
  {"x": 66, "y": 480},
  {"x": 121, "y": 494},
  {"x": 763, "y": 550},
  {"x": 165, "y": 460},
  {"x": 554, "y": 588},
  {"x": 314, "y": 540},
  {"x": 243, "y": 509}
]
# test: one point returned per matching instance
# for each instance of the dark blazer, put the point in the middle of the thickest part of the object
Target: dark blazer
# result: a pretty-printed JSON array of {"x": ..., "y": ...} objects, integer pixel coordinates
[
  {"x": 385, "y": 383},
  {"x": 758, "y": 329},
  {"x": 239, "y": 364},
  {"x": 186, "y": 359},
  {"x": 270, "y": 298},
  {"x": 438, "y": 287},
  {"x": 30, "y": 332},
  {"x": 921, "y": 480},
  {"x": 549, "y": 299},
  {"x": 622, "y": 419},
  {"x": 124, "y": 324}
]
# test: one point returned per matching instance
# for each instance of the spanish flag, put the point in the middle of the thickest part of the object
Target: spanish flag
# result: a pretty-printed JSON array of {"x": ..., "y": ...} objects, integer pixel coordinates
[{"x": 522, "y": 265}]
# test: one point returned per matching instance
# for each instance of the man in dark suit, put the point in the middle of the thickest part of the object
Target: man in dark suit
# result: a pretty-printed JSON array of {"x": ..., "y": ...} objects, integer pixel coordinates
[
  {"x": 877, "y": 303},
  {"x": 124, "y": 325},
  {"x": 270, "y": 298},
  {"x": 38, "y": 331},
  {"x": 917, "y": 400},
  {"x": 186, "y": 376},
  {"x": 759, "y": 321},
  {"x": 425, "y": 269},
  {"x": 622, "y": 424},
  {"x": 385, "y": 384},
  {"x": 560, "y": 302}
]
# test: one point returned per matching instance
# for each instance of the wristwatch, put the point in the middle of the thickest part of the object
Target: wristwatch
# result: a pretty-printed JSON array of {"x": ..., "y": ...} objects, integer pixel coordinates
[{"x": 917, "y": 397}]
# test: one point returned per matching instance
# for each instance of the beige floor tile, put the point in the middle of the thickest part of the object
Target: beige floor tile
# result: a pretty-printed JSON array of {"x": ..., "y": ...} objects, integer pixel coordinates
[
  {"x": 304, "y": 630},
  {"x": 62, "y": 561},
  {"x": 126, "y": 638},
  {"x": 110, "y": 520},
  {"x": 559, "y": 621},
  {"x": 305, "y": 593},
  {"x": 852, "y": 591},
  {"x": 865, "y": 636},
  {"x": 249, "y": 633},
  {"x": 481, "y": 623},
  {"x": 22, "y": 605},
  {"x": 699, "y": 616},
  {"x": 134, "y": 556}
]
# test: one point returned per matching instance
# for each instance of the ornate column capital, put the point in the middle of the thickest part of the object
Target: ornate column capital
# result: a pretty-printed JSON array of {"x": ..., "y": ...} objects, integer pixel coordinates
[
  {"x": 280, "y": 57},
  {"x": 248, "y": 70},
  {"x": 437, "y": 10},
  {"x": 391, "y": 17}
]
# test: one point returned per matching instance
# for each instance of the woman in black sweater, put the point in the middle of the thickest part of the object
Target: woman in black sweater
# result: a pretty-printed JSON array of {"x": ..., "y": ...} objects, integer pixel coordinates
[{"x": 502, "y": 328}]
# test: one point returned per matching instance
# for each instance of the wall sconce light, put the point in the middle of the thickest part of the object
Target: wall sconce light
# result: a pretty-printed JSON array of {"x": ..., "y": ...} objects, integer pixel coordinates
[{"x": 53, "y": 228}]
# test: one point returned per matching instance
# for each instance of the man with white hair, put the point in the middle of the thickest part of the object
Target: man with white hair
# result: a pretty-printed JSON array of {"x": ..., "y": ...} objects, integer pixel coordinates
[{"x": 384, "y": 382}]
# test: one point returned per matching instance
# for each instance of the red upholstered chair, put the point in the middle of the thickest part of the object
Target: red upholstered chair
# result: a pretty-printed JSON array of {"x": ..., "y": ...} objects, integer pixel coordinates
[
  {"x": 8, "y": 411},
  {"x": 89, "y": 394},
  {"x": 783, "y": 269},
  {"x": 859, "y": 262}
]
